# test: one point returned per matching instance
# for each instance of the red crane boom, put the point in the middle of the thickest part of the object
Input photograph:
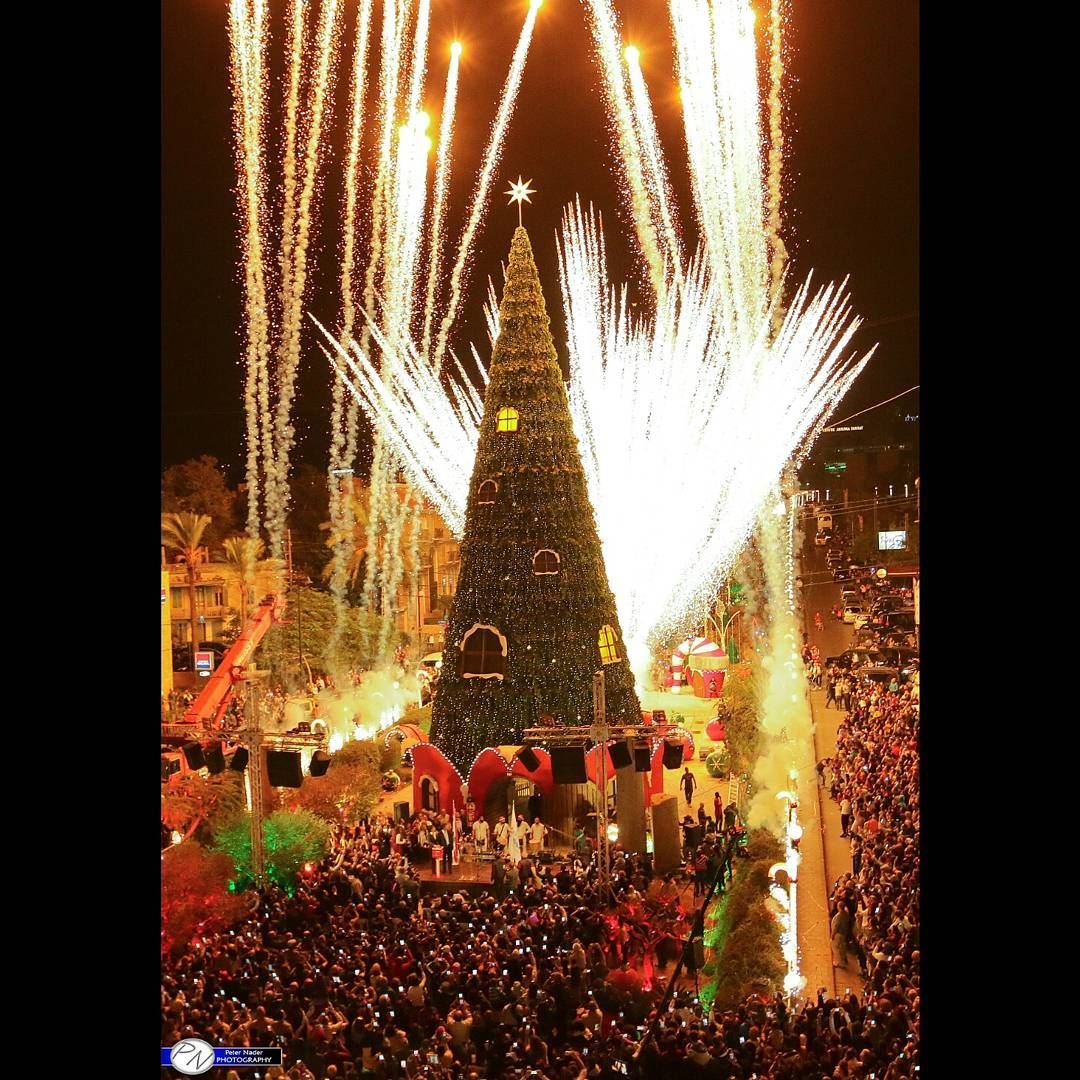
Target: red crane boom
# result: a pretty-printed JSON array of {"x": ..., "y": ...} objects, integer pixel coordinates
[{"x": 209, "y": 707}]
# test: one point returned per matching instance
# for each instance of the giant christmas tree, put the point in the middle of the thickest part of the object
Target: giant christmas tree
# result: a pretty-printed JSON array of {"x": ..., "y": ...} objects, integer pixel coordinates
[{"x": 533, "y": 618}]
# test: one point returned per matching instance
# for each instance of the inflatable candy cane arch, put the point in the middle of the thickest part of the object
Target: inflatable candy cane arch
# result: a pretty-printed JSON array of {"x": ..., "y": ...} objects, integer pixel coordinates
[{"x": 701, "y": 649}]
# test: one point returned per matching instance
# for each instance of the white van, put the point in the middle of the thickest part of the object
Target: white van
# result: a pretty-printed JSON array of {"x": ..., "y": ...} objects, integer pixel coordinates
[{"x": 824, "y": 521}]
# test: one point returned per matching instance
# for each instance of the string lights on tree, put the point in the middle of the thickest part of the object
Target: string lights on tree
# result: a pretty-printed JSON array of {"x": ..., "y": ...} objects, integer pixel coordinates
[{"x": 528, "y": 500}]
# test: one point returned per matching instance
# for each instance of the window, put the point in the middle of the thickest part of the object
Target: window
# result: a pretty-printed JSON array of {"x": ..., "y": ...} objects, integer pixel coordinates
[
  {"x": 429, "y": 794},
  {"x": 609, "y": 653},
  {"x": 485, "y": 496},
  {"x": 546, "y": 561},
  {"x": 506, "y": 419},
  {"x": 483, "y": 653},
  {"x": 179, "y": 598}
]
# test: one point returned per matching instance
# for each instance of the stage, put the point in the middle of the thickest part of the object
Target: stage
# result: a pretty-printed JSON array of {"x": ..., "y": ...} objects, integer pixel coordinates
[{"x": 467, "y": 876}]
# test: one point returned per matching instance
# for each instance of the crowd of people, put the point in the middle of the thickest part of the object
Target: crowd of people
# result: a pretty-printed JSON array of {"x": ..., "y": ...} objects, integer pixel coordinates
[
  {"x": 539, "y": 978},
  {"x": 543, "y": 976},
  {"x": 874, "y": 910}
]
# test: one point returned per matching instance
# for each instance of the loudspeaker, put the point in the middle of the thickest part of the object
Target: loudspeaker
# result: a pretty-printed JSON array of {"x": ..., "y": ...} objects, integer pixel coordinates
[
  {"x": 193, "y": 755},
  {"x": 620, "y": 754},
  {"x": 239, "y": 759},
  {"x": 568, "y": 765},
  {"x": 673, "y": 755},
  {"x": 528, "y": 758},
  {"x": 641, "y": 759},
  {"x": 667, "y": 836},
  {"x": 284, "y": 768},
  {"x": 320, "y": 762},
  {"x": 215, "y": 758}
]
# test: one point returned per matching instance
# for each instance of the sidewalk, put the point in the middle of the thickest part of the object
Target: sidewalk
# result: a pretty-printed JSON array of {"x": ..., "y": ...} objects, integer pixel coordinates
[{"x": 837, "y": 850}]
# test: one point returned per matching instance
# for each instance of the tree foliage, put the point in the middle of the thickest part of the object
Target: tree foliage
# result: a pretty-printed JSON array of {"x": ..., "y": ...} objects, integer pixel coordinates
[
  {"x": 310, "y": 619},
  {"x": 195, "y": 895},
  {"x": 291, "y": 838},
  {"x": 199, "y": 487},
  {"x": 196, "y": 805},
  {"x": 349, "y": 790},
  {"x": 740, "y": 710},
  {"x": 744, "y": 942},
  {"x": 309, "y": 507}
]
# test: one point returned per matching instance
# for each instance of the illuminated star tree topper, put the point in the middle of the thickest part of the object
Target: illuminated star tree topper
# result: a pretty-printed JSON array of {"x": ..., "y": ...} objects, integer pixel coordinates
[{"x": 519, "y": 192}]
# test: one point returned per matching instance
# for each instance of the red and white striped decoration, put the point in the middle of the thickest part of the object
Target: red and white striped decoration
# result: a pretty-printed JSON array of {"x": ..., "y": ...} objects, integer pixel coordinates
[{"x": 697, "y": 646}]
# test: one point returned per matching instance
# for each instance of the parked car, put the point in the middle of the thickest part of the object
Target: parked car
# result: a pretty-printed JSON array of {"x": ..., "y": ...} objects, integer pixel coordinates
[
  {"x": 901, "y": 619},
  {"x": 822, "y": 537},
  {"x": 840, "y": 574},
  {"x": 851, "y": 611},
  {"x": 876, "y": 674},
  {"x": 895, "y": 656},
  {"x": 863, "y": 618},
  {"x": 855, "y": 658}
]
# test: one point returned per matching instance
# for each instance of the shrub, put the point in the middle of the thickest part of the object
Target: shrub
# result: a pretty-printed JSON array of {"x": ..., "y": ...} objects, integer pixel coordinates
[
  {"x": 290, "y": 839},
  {"x": 195, "y": 895}
]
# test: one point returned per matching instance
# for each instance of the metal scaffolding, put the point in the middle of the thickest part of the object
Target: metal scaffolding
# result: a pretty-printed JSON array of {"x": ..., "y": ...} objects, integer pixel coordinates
[{"x": 600, "y": 733}]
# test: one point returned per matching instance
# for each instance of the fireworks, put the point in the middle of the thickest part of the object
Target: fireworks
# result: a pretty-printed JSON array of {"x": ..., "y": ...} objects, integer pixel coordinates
[
  {"x": 442, "y": 182},
  {"x": 269, "y": 427},
  {"x": 492, "y": 155},
  {"x": 687, "y": 418}
]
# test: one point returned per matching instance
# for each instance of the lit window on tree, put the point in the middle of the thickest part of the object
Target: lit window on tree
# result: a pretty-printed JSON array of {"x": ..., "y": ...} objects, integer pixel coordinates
[
  {"x": 546, "y": 561},
  {"x": 609, "y": 654},
  {"x": 506, "y": 419},
  {"x": 483, "y": 653},
  {"x": 485, "y": 496}
]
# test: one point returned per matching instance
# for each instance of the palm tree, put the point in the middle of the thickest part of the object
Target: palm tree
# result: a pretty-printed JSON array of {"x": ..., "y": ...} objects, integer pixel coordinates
[
  {"x": 242, "y": 553},
  {"x": 359, "y": 500},
  {"x": 183, "y": 532}
]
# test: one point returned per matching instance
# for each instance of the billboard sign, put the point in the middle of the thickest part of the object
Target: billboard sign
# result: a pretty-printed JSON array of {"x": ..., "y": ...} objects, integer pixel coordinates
[{"x": 895, "y": 540}]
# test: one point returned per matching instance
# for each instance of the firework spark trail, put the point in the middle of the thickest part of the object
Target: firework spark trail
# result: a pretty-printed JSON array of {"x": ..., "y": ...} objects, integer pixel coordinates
[
  {"x": 409, "y": 185},
  {"x": 393, "y": 32},
  {"x": 344, "y": 412},
  {"x": 389, "y": 68},
  {"x": 410, "y": 196},
  {"x": 605, "y": 31},
  {"x": 656, "y": 171},
  {"x": 418, "y": 68},
  {"x": 786, "y": 721},
  {"x": 403, "y": 200},
  {"x": 247, "y": 31},
  {"x": 435, "y": 435},
  {"x": 735, "y": 50},
  {"x": 776, "y": 145},
  {"x": 442, "y": 183},
  {"x": 492, "y": 155},
  {"x": 716, "y": 64},
  {"x": 295, "y": 48},
  {"x": 289, "y": 351}
]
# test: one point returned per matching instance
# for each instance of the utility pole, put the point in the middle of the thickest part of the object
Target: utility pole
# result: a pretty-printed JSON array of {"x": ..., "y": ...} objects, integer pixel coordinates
[
  {"x": 252, "y": 739},
  {"x": 256, "y": 742}
]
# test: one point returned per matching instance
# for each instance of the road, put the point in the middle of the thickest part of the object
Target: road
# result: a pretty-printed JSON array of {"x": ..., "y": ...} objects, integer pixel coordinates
[{"x": 830, "y": 849}]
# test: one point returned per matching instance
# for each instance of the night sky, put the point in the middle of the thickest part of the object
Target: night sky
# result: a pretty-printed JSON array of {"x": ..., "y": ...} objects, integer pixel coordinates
[{"x": 851, "y": 184}]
